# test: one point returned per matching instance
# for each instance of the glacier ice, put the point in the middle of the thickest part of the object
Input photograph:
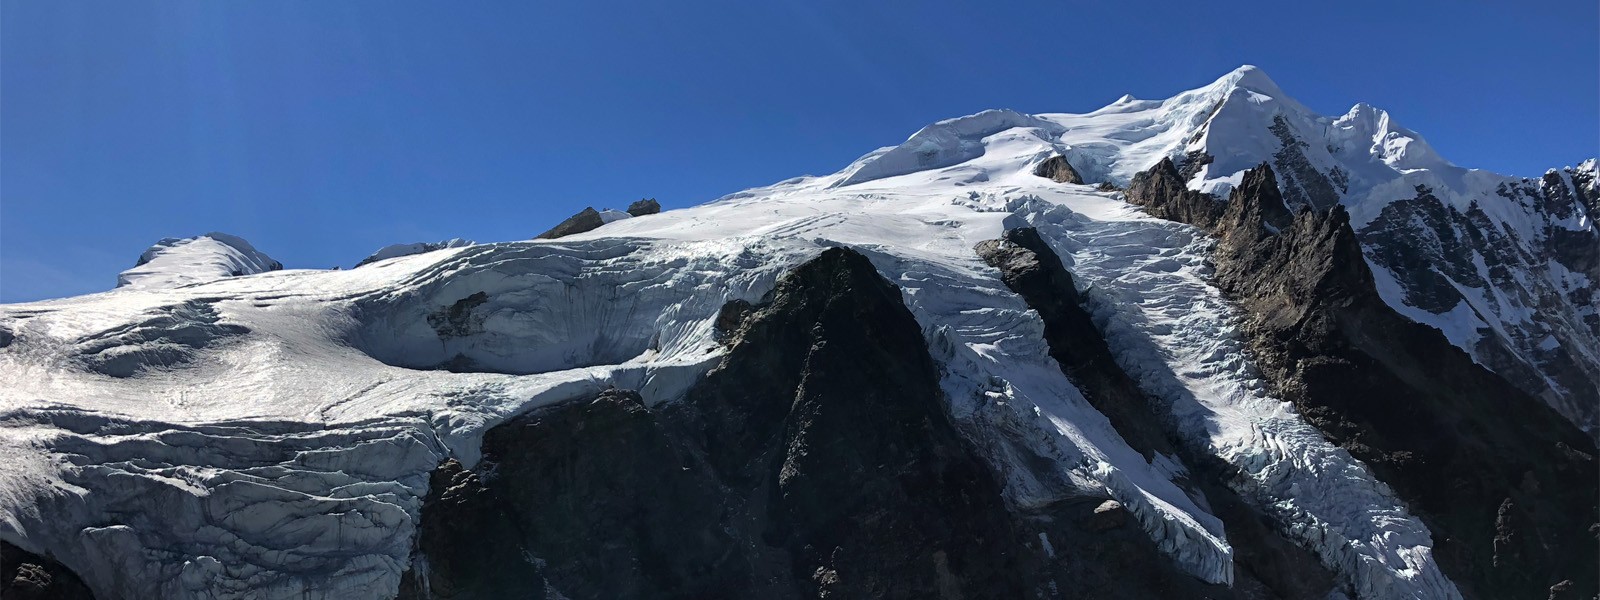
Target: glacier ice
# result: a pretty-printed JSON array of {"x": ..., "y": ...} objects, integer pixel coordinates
[{"x": 218, "y": 426}]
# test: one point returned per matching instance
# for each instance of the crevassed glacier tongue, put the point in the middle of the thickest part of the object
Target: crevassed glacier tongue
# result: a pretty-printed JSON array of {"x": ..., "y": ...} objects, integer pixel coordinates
[
  {"x": 1176, "y": 335},
  {"x": 1007, "y": 392}
]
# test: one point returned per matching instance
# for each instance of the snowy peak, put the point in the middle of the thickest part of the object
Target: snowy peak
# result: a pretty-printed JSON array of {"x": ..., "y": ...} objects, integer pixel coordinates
[
  {"x": 942, "y": 144},
  {"x": 1368, "y": 131},
  {"x": 174, "y": 262},
  {"x": 1250, "y": 77}
]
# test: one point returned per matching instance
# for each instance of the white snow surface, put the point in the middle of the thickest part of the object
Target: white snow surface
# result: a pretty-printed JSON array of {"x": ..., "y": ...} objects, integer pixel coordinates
[
  {"x": 181, "y": 261},
  {"x": 271, "y": 435},
  {"x": 399, "y": 250}
]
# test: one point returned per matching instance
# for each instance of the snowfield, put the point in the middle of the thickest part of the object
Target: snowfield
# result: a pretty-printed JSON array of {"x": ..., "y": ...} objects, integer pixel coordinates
[{"x": 199, "y": 434}]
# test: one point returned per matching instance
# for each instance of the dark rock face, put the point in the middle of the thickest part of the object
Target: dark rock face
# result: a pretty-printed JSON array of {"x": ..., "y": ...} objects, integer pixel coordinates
[
  {"x": 1264, "y": 559},
  {"x": 1436, "y": 251},
  {"x": 458, "y": 320},
  {"x": 817, "y": 461},
  {"x": 1586, "y": 186},
  {"x": 586, "y": 220},
  {"x": 591, "y": 500},
  {"x": 1478, "y": 459},
  {"x": 1162, "y": 192},
  {"x": 1031, "y": 269},
  {"x": 1192, "y": 161},
  {"x": 1057, "y": 169},
  {"x": 1304, "y": 186},
  {"x": 647, "y": 206},
  {"x": 28, "y": 576}
]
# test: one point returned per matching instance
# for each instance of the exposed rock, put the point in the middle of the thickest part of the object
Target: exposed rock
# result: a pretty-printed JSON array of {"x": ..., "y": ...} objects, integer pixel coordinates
[
  {"x": 1057, "y": 169},
  {"x": 1192, "y": 161},
  {"x": 587, "y": 219},
  {"x": 816, "y": 461},
  {"x": 1427, "y": 419},
  {"x": 28, "y": 576},
  {"x": 647, "y": 206},
  {"x": 1304, "y": 186},
  {"x": 1163, "y": 192},
  {"x": 732, "y": 317},
  {"x": 1264, "y": 558},
  {"x": 588, "y": 500},
  {"x": 459, "y": 319},
  {"x": 1443, "y": 258},
  {"x": 1031, "y": 269},
  {"x": 1109, "y": 515}
]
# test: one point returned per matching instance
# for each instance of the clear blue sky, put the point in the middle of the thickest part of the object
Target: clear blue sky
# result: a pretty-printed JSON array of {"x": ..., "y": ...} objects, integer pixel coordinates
[{"x": 321, "y": 131}]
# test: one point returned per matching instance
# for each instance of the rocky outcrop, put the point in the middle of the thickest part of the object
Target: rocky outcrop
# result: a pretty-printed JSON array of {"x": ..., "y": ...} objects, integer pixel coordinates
[
  {"x": 1057, "y": 169},
  {"x": 647, "y": 206},
  {"x": 1266, "y": 560},
  {"x": 1445, "y": 259},
  {"x": 589, "y": 500},
  {"x": 28, "y": 576},
  {"x": 587, "y": 219},
  {"x": 1303, "y": 185},
  {"x": 1428, "y": 420},
  {"x": 1163, "y": 192},
  {"x": 816, "y": 461}
]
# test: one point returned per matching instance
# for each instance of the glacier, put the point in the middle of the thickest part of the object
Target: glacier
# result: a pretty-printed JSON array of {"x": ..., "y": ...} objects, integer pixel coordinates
[{"x": 220, "y": 427}]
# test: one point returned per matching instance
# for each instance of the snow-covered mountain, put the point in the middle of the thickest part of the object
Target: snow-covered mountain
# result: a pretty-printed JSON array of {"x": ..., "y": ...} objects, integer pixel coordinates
[
  {"x": 1103, "y": 401},
  {"x": 172, "y": 262}
]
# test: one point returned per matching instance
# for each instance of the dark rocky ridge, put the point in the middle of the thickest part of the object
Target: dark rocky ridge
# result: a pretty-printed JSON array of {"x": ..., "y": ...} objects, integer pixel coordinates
[
  {"x": 1057, "y": 169},
  {"x": 816, "y": 461},
  {"x": 1267, "y": 564},
  {"x": 1303, "y": 185},
  {"x": 587, "y": 219},
  {"x": 1164, "y": 192},
  {"x": 647, "y": 206},
  {"x": 28, "y": 576},
  {"x": 1506, "y": 484},
  {"x": 1433, "y": 248}
]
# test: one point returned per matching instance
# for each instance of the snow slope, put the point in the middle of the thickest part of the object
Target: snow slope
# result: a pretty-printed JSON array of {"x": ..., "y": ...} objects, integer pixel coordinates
[
  {"x": 274, "y": 432},
  {"x": 173, "y": 261},
  {"x": 398, "y": 250}
]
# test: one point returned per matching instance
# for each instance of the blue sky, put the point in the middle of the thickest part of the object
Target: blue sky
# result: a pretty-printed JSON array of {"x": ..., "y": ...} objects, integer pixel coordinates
[{"x": 321, "y": 131}]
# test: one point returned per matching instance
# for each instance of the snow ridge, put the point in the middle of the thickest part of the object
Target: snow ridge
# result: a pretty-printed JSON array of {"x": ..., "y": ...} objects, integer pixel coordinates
[{"x": 173, "y": 262}]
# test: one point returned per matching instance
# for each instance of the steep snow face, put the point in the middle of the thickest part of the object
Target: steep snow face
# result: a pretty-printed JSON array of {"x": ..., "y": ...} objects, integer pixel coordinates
[{"x": 173, "y": 262}]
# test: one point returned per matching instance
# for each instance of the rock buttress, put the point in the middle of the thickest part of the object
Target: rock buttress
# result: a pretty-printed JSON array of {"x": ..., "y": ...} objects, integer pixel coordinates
[
  {"x": 1265, "y": 560},
  {"x": 1507, "y": 485}
]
